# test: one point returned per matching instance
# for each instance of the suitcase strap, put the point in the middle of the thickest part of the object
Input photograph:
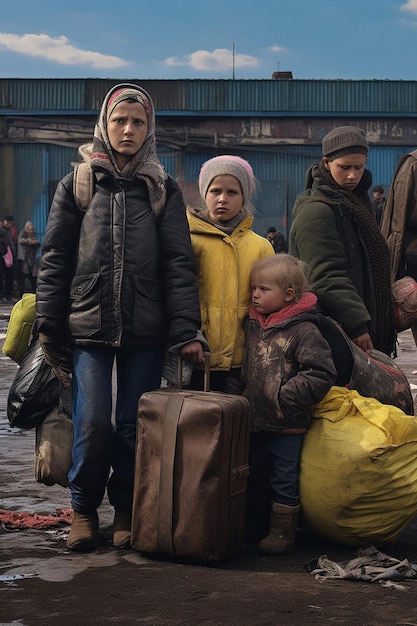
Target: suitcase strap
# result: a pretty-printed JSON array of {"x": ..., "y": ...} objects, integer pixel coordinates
[{"x": 166, "y": 479}]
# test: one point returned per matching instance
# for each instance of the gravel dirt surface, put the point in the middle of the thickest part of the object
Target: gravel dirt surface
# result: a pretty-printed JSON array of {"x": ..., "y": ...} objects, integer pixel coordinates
[{"x": 43, "y": 584}]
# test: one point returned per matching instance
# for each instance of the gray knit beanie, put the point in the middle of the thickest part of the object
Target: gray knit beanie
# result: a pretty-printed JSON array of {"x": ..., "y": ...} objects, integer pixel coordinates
[
  {"x": 344, "y": 140},
  {"x": 233, "y": 166}
]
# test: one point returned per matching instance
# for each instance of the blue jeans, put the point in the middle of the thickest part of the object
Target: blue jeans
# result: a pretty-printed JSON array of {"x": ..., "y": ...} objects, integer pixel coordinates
[
  {"x": 285, "y": 453},
  {"x": 100, "y": 445},
  {"x": 274, "y": 462}
]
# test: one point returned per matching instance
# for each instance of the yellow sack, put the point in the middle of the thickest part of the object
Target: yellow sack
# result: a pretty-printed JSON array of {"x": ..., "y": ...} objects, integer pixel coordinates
[
  {"x": 19, "y": 327},
  {"x": 358, "y": 475}
]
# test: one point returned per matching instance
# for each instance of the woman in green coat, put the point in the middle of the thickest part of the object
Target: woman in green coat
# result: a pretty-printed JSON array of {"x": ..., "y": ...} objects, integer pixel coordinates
[{"x": 334, "y": 232}]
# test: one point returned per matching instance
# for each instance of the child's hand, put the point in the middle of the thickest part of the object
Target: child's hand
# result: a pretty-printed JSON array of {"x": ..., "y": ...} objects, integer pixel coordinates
[{"x": 192, "y": 352}]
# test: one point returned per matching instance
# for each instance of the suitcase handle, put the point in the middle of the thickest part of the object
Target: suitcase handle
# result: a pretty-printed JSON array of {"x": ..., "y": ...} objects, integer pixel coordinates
[{"x": 206, "y": 384}]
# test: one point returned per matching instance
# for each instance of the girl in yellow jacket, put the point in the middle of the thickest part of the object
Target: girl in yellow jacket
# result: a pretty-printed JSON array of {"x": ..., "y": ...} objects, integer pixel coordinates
[{"x": 225, "y": 248}]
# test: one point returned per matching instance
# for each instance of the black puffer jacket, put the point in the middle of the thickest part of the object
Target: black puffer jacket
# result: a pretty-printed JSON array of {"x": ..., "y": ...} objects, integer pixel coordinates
[{"x": 116, "y": 275}]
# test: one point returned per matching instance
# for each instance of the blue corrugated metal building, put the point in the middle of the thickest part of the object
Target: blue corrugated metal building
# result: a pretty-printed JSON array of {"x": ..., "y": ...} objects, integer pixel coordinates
[{"x": 276, "y": 124}]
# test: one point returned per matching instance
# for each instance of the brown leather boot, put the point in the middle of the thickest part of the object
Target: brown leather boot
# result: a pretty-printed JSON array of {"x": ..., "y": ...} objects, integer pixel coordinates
[
  {"x": 281, "y": 536},
  {"x": 84, "y": 532},
  {"x": 121, "y": 529}
]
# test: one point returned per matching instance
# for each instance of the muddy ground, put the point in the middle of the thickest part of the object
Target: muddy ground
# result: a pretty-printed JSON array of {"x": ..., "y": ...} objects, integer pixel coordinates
[{"x": 42, "y": 583}]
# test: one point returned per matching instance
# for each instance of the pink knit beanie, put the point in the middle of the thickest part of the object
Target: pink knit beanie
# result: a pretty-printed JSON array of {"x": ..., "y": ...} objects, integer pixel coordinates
[{"x": 231, "y": 165}]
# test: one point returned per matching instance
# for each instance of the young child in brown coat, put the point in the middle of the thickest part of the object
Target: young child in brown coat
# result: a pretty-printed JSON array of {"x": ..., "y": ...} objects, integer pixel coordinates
[{"x": 288, "y": 367}]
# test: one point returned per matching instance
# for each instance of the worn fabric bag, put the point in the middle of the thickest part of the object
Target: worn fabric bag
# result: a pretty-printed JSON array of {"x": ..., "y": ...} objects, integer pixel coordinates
[
  {"x": 8, "y": 257},
  {"x": 376, "y": 375},
  {"x": 19, "y": 327},
  {"x": 53, "y": 447},
  {"x": 372, "y": 374},
  {"x": 358, "y": 472},
  {"x": 35, "y": 390},
  {"x": 404, "y": 293}
]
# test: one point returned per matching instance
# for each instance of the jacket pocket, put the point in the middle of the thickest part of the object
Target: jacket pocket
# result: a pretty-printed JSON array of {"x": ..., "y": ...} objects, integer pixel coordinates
[
  {"x": 149, "y": 319},
  {"x": 85, "y": 312}
]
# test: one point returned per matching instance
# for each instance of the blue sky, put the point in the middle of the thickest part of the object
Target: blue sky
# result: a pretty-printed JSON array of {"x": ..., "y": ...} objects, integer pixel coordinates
[{"x": 170, "y": 39}]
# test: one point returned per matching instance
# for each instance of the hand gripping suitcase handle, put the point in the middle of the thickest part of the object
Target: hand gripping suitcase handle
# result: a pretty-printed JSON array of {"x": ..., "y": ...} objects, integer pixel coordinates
[{"x": 206, "y": 386}]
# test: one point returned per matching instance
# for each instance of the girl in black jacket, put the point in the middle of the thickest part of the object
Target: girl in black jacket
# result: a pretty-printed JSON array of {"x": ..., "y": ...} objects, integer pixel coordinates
[{"x": 116, "y": 283}]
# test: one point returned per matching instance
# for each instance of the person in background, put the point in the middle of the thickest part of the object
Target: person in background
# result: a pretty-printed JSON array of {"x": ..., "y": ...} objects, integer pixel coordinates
[
  {"x": 10, "y": 272},
  {"x": 288, "y": 367},
  {"x": 277, "y": 239},
  {"x": 116, "y": 282},
  {"x": 8, "y": 222},
  {"x": 334, "y": 232},
  {"x": 399, "y": 223},
  {"x": 28, "y": 244},
  {"x": 225, "y": 248},
  {"x": 378, "y": 203}
]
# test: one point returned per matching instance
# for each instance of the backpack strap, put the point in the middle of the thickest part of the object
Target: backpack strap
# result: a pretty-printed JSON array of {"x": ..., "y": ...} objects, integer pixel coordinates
[{"x": 83, "y": 185}]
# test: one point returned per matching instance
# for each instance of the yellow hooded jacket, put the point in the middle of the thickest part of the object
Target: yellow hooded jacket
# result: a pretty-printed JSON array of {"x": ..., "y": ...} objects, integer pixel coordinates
[{"x": 224, "y": 263}]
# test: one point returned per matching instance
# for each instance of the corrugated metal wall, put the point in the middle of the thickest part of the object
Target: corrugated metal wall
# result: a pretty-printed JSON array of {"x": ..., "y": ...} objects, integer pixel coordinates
[
  {"x": 280, "y": 169},
  {"x": 41, "y": 94},
  {"x": 280, "y": 175},
  {"x": 333, "y": 97},
  {"x": 274, "y": 96},
  {"x": 38, "y": 168},
  {"x": 382, "y": 161}
]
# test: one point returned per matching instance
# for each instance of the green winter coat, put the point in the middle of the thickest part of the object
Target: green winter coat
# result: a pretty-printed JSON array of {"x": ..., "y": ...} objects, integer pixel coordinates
[{"x": 327, "y": 237}]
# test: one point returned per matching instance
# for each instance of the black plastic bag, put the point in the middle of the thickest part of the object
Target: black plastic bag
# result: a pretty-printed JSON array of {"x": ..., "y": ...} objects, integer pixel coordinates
[{"x": 35, "y": 390}]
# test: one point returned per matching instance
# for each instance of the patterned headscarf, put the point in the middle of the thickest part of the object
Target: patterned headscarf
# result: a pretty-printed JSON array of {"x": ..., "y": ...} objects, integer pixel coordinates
[{"x": 145, "y": 163}]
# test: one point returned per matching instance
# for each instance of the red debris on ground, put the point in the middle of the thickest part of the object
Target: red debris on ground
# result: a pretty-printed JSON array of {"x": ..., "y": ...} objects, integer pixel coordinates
[{"x": 12, "y": 520}]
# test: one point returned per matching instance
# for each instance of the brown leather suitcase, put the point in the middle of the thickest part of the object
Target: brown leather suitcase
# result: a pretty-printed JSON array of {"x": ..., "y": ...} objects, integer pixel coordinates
[{"x": 191, "y": 475}]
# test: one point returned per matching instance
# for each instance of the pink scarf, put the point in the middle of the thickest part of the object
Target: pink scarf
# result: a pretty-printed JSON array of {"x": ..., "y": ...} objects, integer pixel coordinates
[{"x": 307, "y": 301}]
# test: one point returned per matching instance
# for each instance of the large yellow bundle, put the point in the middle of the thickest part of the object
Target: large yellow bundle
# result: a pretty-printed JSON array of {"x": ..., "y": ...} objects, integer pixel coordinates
[
  {"x": 358, "y": 478},
  {"x": 19, "y": 327}
]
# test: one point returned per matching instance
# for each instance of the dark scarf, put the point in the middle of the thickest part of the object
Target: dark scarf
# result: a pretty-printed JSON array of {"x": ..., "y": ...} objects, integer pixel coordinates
[
  {"x": 358, "y": 201},
  {"x": 144, "y": 164}
]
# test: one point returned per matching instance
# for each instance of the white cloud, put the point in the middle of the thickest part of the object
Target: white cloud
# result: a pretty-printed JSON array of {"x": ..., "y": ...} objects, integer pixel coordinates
[
  {"x": 410, "y": 5},
  {"x": 58, "y": 50},
  {"x": 220, "y": 59},
  {"x": 276, "y": 48}
]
